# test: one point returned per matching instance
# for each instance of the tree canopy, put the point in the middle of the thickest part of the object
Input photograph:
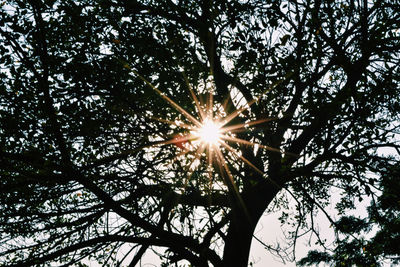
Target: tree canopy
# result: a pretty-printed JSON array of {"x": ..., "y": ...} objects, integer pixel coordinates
[{"x": 102, "y": 104}]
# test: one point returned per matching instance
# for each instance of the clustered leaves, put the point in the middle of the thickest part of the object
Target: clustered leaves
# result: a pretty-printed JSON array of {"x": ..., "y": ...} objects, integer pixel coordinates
[{"x": 84, "y": 176}]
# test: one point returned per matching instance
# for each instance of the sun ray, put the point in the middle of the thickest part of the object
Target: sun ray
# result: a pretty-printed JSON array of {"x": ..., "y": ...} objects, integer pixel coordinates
[
  {"x": 239, "y": 111},
  {"x": 247, "y": 124},
  {"x": 241, "y": 157},
  {"x": 234, "y": 187},
  {"x": 210, "y": 106},
  {"x": 197, "y": 153},
  {"x": 178, "y": 124},
  {"x": 189, "y": 174},
  {"x": 180, "y": 154},
  {"x": 169, "y": 100},
  {"x": 210, "y": 157},
  {"x": 198, "y": 104},
  {"x": 194, "y": 97},
  {"x": 222, "y": 164},
  {"x": 189, "y": 170},
  {"x": 209, "y": 164},
  {"x": 245, "y": 142},
  {"x": 177, "y": 107},
  {"x": 224, "y": 106},
  {"x": 178, "y": 139},
  {"x": 211, "y": 118}
]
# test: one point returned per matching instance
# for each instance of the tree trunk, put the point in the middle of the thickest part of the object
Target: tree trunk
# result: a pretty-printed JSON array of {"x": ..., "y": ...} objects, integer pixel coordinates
[
  {"x": 237, "y": 243},
  {"x": 243, "y": 223}
]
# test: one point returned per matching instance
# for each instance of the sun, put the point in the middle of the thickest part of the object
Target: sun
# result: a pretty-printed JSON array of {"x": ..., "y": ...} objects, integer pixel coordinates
[
  {"x": 209, "y": 132},
  {"x": 204, "y": 138}
]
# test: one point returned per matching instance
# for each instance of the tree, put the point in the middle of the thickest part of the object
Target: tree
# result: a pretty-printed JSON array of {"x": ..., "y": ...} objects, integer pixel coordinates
[
  {"x": 101, "y": 101},
  {"x": 355, "y": 247}
]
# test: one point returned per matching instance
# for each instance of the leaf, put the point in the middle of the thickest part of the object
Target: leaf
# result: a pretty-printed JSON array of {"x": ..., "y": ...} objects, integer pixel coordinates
[
  {"x": 284, "y": 39},
  {"x": 235, "y": 46}
]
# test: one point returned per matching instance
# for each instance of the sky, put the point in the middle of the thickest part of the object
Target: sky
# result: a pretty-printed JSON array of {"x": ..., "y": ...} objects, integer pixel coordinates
[{"x": 270, "y": 231}]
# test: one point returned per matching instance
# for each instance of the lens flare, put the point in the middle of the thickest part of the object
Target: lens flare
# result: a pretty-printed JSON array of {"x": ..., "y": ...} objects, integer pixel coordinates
[{"x": 209, "y": 132}]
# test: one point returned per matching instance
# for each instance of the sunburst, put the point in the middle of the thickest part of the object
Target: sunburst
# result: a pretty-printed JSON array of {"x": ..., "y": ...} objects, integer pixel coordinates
[{"x": 209, "y": 132}]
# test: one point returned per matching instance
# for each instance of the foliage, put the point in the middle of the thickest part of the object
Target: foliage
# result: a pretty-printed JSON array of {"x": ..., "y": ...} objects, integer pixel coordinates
[
  {"x": 356, "y": 249},
  {"x": 83, "y": 173}
]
